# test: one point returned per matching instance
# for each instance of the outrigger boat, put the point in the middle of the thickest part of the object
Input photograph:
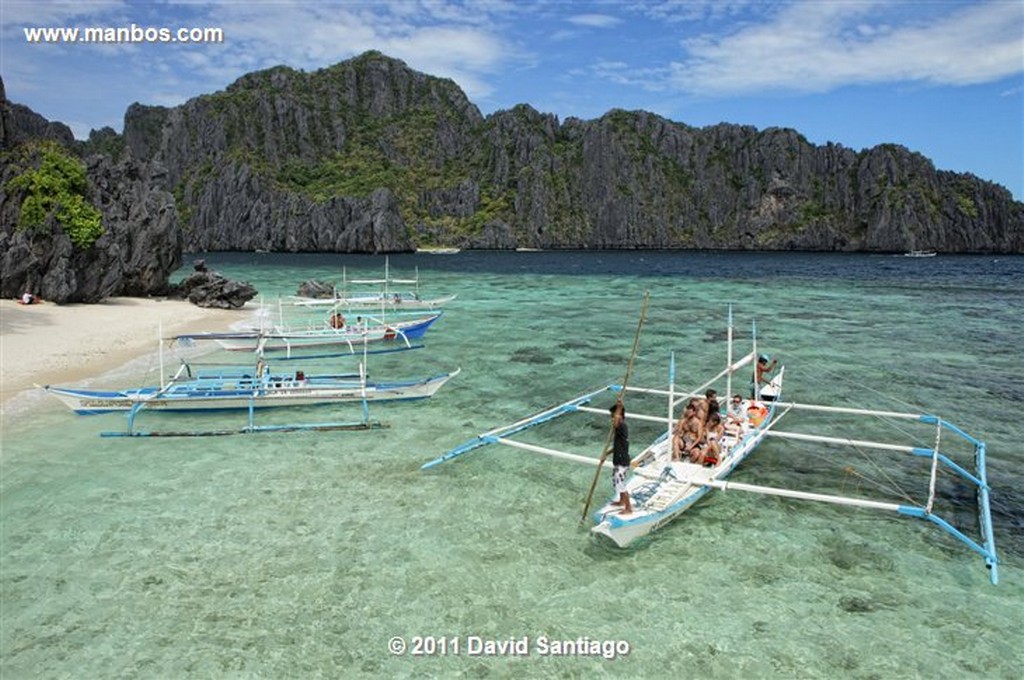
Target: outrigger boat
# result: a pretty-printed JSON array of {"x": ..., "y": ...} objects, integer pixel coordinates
[
  {"x": 353, "y": 335},
  {"x": 385, "y": 298},
  {"x": 236, "y": 388},
  {"x": 661, "y": 488}
]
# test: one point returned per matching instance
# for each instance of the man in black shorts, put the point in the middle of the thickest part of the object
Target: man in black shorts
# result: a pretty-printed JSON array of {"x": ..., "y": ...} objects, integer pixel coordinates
[{"x": 620, "y": 455}]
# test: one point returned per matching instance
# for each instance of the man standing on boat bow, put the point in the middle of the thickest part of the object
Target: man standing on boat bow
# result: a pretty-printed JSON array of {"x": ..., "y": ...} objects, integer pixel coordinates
[
  {"x": 620, "y": 455},
  {"x": 761, "y": 375}
]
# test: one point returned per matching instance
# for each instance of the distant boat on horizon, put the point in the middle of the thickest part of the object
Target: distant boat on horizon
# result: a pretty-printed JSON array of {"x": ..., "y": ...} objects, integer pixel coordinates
[
  {"x": 431, "y": 250},
  {"x": 920, "y": 253}
]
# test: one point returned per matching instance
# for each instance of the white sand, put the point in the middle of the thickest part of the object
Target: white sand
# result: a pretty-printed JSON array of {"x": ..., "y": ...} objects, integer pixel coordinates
[{"x": 61, "y": 344}]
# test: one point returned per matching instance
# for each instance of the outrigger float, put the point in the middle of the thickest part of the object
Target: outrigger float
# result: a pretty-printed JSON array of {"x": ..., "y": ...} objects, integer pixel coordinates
[{"x": 661, "y": 488}]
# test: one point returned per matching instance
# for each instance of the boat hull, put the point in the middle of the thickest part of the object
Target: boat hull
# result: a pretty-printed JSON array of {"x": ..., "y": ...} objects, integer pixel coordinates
[
  {"x": 353, "y": 337},
  {"x": 306, "y": 392},
  {"x": 377, "y": 302},
  {"x": 662, "y": 489}
]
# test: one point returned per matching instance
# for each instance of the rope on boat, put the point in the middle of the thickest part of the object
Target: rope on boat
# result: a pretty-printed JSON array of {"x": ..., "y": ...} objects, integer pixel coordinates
[{"x": 884, "y": 481}]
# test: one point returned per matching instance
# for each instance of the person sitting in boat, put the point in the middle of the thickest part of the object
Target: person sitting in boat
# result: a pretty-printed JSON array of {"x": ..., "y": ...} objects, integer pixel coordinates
[
  {"x": 735, "y": 413},
  {"x": 711, "y": 399},
  {"x": 688, "y": 434},
  {"x": 713, "y": 440},
  {"x": 761, "y": 374},
  {"x": 620, "y": 456},
  {"x": 337, "y": 320},
  {"x": 27, "y": 299}
]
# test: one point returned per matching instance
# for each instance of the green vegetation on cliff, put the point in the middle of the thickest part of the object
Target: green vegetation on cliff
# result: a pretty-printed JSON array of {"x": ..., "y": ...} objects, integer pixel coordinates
[{"x": 54, "y": 184}]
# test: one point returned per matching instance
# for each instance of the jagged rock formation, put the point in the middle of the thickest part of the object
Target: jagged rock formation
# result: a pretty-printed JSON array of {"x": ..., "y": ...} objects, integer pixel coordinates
[
  {"x": 206, "y": 288},
  {"x": 316, "y": 289},
  {"x": 368, "y": 155},
  {"x": 141, "y": 244},
  {"x": 268, "y": 162},
  {"x": 19, "y": 124}
]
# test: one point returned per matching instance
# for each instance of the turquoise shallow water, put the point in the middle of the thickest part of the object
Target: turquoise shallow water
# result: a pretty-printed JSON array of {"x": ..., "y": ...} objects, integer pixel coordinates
[{"x": 304, "y": 554}]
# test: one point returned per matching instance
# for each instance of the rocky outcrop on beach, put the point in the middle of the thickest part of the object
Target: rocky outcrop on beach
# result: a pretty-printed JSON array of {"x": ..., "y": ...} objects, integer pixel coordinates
[
  {"x": 139, "y": 239},
  {"x": 207, "y": 288},
  {"x": 316, "y": 289}
]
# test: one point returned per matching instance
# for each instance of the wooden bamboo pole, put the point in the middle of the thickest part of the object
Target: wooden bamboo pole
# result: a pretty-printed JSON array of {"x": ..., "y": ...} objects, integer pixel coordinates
[{"x": 625, "y": 381}]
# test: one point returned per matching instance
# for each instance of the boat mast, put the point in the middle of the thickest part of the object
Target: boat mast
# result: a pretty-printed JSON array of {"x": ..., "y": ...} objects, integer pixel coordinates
[
  {"x": 935, "y": 468},
  {"x": 362, "y": 378},
  {"x": 671, "y": 392},
  {"x": 728, "y": 378},
  {"x": 757, "y": 383},
  {"x": 160, "y": 348}
]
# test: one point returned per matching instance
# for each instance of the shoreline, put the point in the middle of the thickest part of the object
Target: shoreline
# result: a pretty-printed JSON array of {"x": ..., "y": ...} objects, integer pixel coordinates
[{"x": 48, "y": 343}]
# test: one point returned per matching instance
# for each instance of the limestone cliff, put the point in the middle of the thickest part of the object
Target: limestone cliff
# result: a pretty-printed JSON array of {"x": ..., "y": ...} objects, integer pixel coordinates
[
  {"x": 368, "y": 155},
  {"x": 324, "y": 161},
  {"x": 140, "y": 240}
]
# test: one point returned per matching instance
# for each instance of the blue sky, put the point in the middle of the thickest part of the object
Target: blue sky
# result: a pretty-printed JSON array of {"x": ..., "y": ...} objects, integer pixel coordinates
[{"x": 944, "y": 78}]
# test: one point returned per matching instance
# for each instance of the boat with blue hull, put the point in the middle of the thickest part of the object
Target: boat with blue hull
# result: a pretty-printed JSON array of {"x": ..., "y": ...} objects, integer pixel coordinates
[{"x": 352, "y": 336}]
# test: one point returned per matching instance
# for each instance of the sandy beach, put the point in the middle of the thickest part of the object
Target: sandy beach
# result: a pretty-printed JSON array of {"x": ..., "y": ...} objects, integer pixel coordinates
[{"x": 50, "y": 344}]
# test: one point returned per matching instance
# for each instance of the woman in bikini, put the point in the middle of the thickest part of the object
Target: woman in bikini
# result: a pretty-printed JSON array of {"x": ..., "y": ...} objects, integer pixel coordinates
[{"x": 714, "y": 434}]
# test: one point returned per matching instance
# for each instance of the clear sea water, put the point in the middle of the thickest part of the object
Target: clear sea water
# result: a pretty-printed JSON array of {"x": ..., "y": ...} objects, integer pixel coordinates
[{"x": 303, "y": 555}]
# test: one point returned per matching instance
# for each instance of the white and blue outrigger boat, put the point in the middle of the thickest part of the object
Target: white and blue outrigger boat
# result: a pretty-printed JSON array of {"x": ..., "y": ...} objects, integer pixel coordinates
[
  {"x": 661, "y": 488},
  {"x": 351, "y": 335},
  {"x": 234, "y": 389},
  {"x": 237, "y": 388},
  {"x": 383, "y": 294}
]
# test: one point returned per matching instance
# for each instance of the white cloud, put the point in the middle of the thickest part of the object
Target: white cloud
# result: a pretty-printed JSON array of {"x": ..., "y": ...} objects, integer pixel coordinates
[
  {"x": 679, "y": 11},
  {"x": 31, "y": 13},
  {"x": 594, "y": 20},
  {"x": 445, "y": 39},
  {"x": 816, "y": 47},
  {"x": 621, "y": 73}
]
